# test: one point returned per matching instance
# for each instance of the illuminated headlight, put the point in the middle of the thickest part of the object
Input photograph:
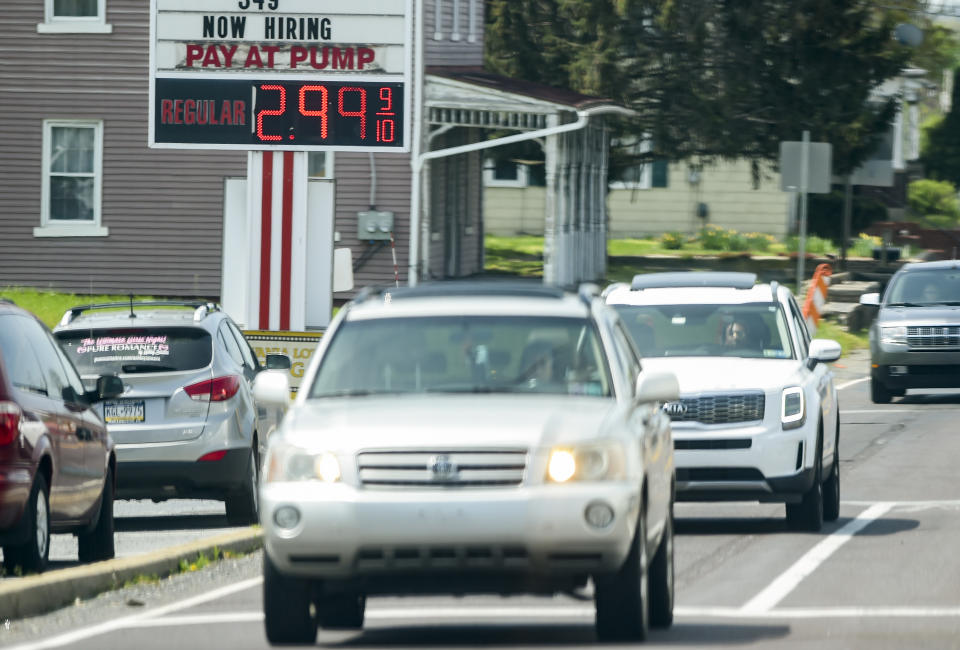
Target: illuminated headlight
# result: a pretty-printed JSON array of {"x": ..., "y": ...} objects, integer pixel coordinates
[
  {"x": 893, "y": 334},
  {"x": 793, "y": 409},
  {"x": 292, "y": 463},
  {"x": 595, "y": 462}
]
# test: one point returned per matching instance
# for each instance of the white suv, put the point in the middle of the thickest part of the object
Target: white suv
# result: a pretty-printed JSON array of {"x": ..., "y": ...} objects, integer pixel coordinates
[
  {"x": 757, "y": 418},
  {"x": 469, "y": 438}
]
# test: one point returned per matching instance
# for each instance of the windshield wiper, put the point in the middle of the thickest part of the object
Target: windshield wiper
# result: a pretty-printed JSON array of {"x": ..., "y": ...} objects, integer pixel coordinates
[
  {"x": 357, "y": 392},
  {"x": 145, "y": 367},
  {"x": 472, "y": 389},
  {"x": 908, "y": 304}
]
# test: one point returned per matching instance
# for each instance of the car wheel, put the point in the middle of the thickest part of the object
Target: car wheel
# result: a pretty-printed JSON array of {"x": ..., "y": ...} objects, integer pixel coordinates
[
  {"x": 622, "y": 599},
  {"x": 808, "y": 514},
  {"x": 661, "y": 578},
  {"x": 831, "y": 488},
  {"x": 243, "y": 506},
  {"x": 879, "y": 392},
  {"x": 289, "y": 616},
  {"x": 31, "y": 556},
  {"x": 341, "y": 612},
  {"x": 97, "y": 544}
]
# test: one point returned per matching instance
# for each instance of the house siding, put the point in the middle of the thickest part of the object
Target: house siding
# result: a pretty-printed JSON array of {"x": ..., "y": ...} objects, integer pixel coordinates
[
  {"x": 727, "y": 190},
  {"x": 163, "y": 208},
  {"x": 353, "y": 176},
  {"x": 439, "y": 46}
]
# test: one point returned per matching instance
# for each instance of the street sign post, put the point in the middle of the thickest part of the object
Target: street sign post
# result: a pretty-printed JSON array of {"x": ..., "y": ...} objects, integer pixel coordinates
[{"x": 804, "y": 167}]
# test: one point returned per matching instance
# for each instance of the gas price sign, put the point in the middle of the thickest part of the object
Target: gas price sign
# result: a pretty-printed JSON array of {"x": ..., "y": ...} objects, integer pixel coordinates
[{"x": 257, "y": 114}]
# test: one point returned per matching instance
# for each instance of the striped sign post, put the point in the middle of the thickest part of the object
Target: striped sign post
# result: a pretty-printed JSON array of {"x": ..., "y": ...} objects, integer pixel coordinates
[{"x": 277, "y": 210}]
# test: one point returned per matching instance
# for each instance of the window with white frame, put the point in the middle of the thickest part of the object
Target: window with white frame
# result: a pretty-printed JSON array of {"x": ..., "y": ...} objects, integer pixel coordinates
[
  {"x": 75, "y": 16},
  {"x": 641, "y": 176},
  {"x": 72, "y": 174},
  {"x": 503, "y": 172}
]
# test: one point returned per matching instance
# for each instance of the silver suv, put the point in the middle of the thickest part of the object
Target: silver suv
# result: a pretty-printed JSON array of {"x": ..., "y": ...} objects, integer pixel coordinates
[
  {"x": 187, "y": 425},
  {"x": 915, "y": 339},
  {"x": 469, "y": 438}
]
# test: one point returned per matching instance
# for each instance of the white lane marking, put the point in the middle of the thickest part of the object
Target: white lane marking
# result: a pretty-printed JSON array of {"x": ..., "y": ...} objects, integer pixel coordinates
[
  {"x": 130, "y": 621},
  {"x": 502, "y": 613},
  {"x": 941, "y": 503},
  {"x": 787, "y": 581},
  {"x": 894, "y": 411},
  {"x": 851, "y": 383}
]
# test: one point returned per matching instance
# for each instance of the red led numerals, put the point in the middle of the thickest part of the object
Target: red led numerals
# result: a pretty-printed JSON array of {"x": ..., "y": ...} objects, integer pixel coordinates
[
  {"x": 386, "y": 127},
  {"x": 362, "y": 113},
  {"x": 322, "y": 113},
  {"x": 271, "y": 111}
]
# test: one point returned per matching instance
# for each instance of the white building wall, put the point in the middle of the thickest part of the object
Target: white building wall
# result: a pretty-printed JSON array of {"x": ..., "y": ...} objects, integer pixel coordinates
[{"x": 726, "y": 189}]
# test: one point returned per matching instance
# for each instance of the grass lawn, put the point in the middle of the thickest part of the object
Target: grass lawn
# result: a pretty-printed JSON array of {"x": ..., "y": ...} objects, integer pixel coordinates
[
  {"x": 523, "y": 256},
  {"x": 50, "y": 306}
]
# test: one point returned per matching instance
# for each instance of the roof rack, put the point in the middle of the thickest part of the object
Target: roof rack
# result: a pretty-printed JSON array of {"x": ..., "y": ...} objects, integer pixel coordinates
[
  {"x": 677, "y": 279},
  {"x": 201, "y": 308},
  {"x": 439, "y": 289},
  {"x": 774, "y": 288}
]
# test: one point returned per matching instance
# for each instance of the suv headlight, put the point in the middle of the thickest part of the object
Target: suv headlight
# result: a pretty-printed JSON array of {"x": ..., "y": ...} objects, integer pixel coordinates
[
  {"x": 589, "y": 462},
  {"x": 896, "y": 334},
  {"x": 286, "y": 462},
  {"x": 793, "y": 407}
]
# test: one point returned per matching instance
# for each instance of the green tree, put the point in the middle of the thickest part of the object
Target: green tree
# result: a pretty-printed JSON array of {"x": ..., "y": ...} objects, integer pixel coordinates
[
  {"x": 714, "y": 78},
  {"x": 934, "y": 203},
  {"x": 941, "y": 154}
]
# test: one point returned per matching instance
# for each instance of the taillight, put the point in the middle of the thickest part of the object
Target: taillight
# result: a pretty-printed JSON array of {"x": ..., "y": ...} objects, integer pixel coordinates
[
  {"x": 213, "y": 455},
  {"x": 9, "y": 422},
  {"x": 217, "y": 389}
]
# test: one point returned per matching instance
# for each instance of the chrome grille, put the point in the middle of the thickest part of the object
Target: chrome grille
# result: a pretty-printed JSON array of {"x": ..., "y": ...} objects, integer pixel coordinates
[
  {"x": 442, "y": 468},
  {"x": 718, "y": 409},
  {"x": 933, "y": 338}
]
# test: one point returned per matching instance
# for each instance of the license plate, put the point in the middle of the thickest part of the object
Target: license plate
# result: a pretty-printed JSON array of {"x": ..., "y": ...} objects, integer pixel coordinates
[{"x": 125, "y": 411}]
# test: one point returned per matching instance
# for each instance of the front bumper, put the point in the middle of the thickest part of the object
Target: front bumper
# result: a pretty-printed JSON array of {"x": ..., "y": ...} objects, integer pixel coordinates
[
  {"x": 395, "y": 540},
  {"x": 896, "y": 367},
  {"x": 757, "y": 462}
]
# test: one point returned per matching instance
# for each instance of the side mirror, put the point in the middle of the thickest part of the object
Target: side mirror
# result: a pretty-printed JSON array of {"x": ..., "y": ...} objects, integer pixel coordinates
[
  {"x": 870, "y": 299},
  {"x": 108, "y": 386},
  {"x": 278, "y": 362},
  {"x": 272, "y": 388},
  {"x": 656, "y": 387},
  {"x": 824, "y": 350}
]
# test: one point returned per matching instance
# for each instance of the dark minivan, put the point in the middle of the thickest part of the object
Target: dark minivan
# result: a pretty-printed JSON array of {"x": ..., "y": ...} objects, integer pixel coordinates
[{"x": 57, "y": 462}]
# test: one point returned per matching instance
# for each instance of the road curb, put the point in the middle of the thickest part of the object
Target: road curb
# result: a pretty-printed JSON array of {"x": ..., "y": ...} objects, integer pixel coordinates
[{"x": 38, "y": 594}]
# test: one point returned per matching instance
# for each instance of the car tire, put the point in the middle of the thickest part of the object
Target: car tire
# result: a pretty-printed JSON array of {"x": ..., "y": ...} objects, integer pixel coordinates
[
  {"x": 808, "y": 514},
  {"x": 32, "y": 555},
  {"x": 289, "y": 617},
  {"x": 341, "y": 612},
  {"x": 98, "y": 544},
  {"x": 831, "y": 487},
  {"x": 662, "y": 578},
  {"x": 622, "y": 599},
  {"x": 879, "y": 393},
  {"x": 243, "y": 506}
]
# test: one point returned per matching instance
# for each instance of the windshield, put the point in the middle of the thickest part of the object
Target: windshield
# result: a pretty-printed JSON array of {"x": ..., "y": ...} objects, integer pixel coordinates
[
  {"x": 137, "y": 350},
  {"x": 756, "y": 330},
  {"x": 464, "y": 354},
  {"x": 933, "y": 287}
]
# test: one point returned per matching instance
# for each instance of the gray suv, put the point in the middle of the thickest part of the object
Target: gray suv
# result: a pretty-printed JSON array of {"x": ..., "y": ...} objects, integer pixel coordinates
[
  {"x": 915, "y": 339},
  {"x": 187, "y": 425}
]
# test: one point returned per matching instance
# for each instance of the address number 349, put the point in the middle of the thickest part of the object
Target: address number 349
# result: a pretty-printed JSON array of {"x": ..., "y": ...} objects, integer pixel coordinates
[{"x": 270, "y": 4}]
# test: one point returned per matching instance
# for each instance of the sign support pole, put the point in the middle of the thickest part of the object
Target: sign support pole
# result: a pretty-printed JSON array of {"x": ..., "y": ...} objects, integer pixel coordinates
[{"x": 804, "y": 185}]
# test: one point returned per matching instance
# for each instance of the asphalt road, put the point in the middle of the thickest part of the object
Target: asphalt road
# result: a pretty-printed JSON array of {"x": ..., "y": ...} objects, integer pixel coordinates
[{"x": 886, "y": 575}]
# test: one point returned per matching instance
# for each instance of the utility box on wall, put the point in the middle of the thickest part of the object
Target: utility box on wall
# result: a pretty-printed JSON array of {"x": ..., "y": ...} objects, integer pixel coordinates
[{"x": 374, "y": 224}]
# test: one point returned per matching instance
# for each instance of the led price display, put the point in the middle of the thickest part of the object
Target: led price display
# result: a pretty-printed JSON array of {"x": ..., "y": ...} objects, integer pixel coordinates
[{"x": 239, "y": 113}]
